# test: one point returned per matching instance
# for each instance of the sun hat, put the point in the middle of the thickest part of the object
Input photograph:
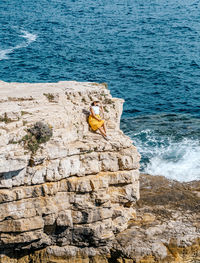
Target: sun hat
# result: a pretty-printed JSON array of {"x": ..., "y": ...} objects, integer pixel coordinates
[{"x": 94, "y": 99}]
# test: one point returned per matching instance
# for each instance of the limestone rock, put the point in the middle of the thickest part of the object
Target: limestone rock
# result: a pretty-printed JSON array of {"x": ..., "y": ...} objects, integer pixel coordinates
[
  {"x": 165, "y": 228},
  {"x": 77, "y": 198},
  {"x": 77, "y": 189}
]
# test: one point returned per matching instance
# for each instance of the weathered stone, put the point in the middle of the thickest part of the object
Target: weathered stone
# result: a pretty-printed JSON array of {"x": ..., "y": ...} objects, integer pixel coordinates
[
  {"x": 22, "y": 225},
  {"x": 38, "y": 176},
  {"x": 91, "y": 163},
  {"x": 163, "y": 229},
  {"x": 69, "y": 166},
  {"x": 64, "y": 218},
  {"x": 77, "y": 194},
  {"x": 49, "y": 219},
  {"x": 77, "y": 189},
  {"x": 52, "y": 172},
  {"x": 91, "y": 215},
  {"x": 9, "y": 163},
  {"x": 24, "y": 237},
  {"x": 96, "y": 234},
  {"x": 79, "y": 185},
  {"x": 7, "y": 196},
  {"x": 109, "y": 162}
]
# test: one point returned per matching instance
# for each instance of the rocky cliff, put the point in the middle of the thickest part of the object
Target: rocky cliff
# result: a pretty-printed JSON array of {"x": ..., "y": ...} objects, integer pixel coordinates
[{"x": 71, "y": 195}]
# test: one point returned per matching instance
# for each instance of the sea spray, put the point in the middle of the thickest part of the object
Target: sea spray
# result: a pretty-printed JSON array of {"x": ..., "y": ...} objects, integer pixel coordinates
[
  {"x": 169, "y": 147},
  {"x": 175, "y": 160}
]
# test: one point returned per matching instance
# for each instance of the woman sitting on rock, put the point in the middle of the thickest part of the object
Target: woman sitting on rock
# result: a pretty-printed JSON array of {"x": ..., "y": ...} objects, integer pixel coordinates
[{"x": 95, "y": 121}]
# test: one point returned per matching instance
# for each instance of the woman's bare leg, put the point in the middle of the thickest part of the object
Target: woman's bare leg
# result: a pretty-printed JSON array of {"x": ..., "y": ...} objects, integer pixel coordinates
[
  {"x": 104, "y": 127},
  {"x": 102, "y": 131}
]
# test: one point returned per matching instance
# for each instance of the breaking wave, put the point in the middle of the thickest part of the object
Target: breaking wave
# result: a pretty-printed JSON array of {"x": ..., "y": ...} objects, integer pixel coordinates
[
  {"x": 175, "y": 160},
  {"x": 169, "y": 146}
]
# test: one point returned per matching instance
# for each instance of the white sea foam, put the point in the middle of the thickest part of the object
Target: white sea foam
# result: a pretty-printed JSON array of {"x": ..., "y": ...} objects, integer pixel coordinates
[
  {"x": 29, "y": 39},
  {"x": 175, "y": 160},
  {"x": 4, "y": 53},
  {"x": 186, "y": 167}
]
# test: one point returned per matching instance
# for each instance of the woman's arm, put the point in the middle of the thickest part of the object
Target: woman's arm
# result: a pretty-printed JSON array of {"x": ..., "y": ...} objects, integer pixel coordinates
[{"x": 93, "y": 114}]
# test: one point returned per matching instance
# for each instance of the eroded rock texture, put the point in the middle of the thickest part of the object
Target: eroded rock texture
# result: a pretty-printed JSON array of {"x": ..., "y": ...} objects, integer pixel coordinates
[
  {"x": 167, "y": 224},
  {"x": 77, "y": 191},
  {"x": 76, "y": 199}
]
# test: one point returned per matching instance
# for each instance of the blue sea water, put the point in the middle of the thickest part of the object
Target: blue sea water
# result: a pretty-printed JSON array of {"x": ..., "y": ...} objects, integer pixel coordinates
[{"x": 148, "y": 51}]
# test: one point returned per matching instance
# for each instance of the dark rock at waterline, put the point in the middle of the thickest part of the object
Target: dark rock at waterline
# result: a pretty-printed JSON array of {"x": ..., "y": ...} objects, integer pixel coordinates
[
  {"x": 158, "y": 190},
  {"x": 167, "y": 225}
]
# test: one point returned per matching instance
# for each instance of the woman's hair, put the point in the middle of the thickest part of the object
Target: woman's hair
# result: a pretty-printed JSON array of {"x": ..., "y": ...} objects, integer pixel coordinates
[{"x": 92, "y": 104}]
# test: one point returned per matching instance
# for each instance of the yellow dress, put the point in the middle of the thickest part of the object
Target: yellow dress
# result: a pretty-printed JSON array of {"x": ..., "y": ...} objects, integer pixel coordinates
[{"x": 94, "y": 123}]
